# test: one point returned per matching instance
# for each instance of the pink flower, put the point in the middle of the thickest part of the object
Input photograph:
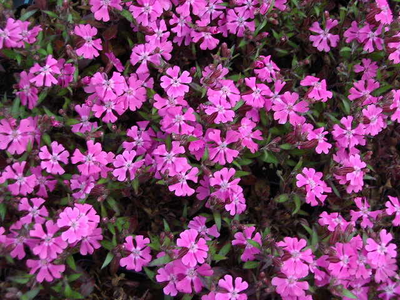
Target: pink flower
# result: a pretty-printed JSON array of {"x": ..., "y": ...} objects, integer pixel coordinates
[
  {"x": 247, "y": 134},
  {"x": 190, "y": 278},
  {"x": 394, "y": 50},
  {"x": 393, "y": 207},
  {"x": 199, "y": 223},
  {"x": 385, "y": 16},
  {"x": 256, "y": 99},
  {"x": 174, "y": 84},
  {"x": 163, "y": 104},
  {"x": 324, "y": 40},
  {"x": 90, "y": 242},
  {"x": 11, "y": 34},
  {"x": 107, "y": 107},
  {"x": 232, "y": 291},
  {"x": 368, "y": 67},
  {"x": 236, "y": 204},
  {"x": 221, "y": 109},
  {"x": 84, "y": 126},
  {"x": 319, "y": 135},
  {"x": 206, "y": 36},
  {"x": 139, "y": 253},
  {"x": 124, "y": 163},
  {"x": 147, "y": 12},
  {"x": 144, "y": 53},
  {"x": 371, "y": 37},
  {"x": 90, "y": 46},
  {"x": 362, "y": 90},
  {"x": 168, "y": 160},
  {"x": 238, "y": 22},
  {"x": 100, "y": 8},
  {"x": 318, "y": 90},
  {"x": 219, "y": 151},
  {"x": 17, "y": 239},
  {"x": 315, "y": 187},
  {"x": 181, "y": 188},
  {"x": 92, "y": 160},
  {"x": 299, "y": 260},
  {"x": 27, "y": 93},
  {"x": 82, "y": 185},
  {"x": 45, "y": 75},
  {"x": 348, "y": 137},
  {"x": 241, "y": 239},
  {"x": 49, "y": 246},
  {"x": 364, "y": 213},
  {"x": 266, "y": 69},
  {"x": 115, "y": 61},
  {"x": 390, "y": 290},
  {"x": 374, "y": 122},
  {"x": 197, "y": 250},
  {"x": 140, "y": 137},
  {"x": 23, "y": 185},
  {"x": 333, "y": 221},
  {"x": 379, "y": 253},
  {"x": 36, "y": 210},
  {"x": 2, "y": 236},
  {"x": 135, "y": 94},
  {"x": 224, "y": 188},
  {"x": 167, "y": 274},
  {"x": 66, "y": 73},
  {"x": 289, "y": 286},
  {"x": 196, "y": 5},
  {"x": 50, "y": 161},
  {"x": 345, "y": 260},
  {"x": 45, "y": 183},
  {"x": 47, "y": 270},
  {"x": 108, "y": 88},
  {"x": 286, "y": 108},
  {"x": 176, "y": 120},
  {"x": 15, "y": 139}
]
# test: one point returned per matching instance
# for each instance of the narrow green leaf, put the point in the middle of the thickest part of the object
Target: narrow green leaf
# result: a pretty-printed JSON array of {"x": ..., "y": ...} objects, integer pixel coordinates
[
  {"x": 71, "y": 262},
  {"x": 251, "y": 264},
  {"x": 108, "y": 259}
]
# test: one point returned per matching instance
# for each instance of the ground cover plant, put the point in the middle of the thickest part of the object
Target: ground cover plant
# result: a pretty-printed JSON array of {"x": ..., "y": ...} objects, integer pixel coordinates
[{"x": 202, "y": 149}]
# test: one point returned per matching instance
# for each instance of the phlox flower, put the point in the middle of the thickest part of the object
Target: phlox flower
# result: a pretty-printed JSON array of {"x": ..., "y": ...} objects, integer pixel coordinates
[
  {"x": 108, "y": 107},
  {"x": 370, "y": 38},
  {"x": 236, "y": 204},
  {"x": 395, "y": 105},
  {"x": 26, "y": 91},
  {"x": 90, "y": 47},
  {"x": 163, "y": 104},
  {"x": 241, "y": 239},
  {"x": 352, "y": 33},
  {"x": 385, "y": 271},
  {"x": 266, "y": 69},
  {"x": 211, "y": 74},
  {"x": 393, "y": 207},
  {"x": 355, "y": 179},
  {"x": 44, "y": 182},
  {"x": 168, "y": 160},
  {"x": 324, "y": 40},
  {"x": 84, "y": 125},
  {"x": 135, "y": 93},
  {"x": 181, "y": 188},
  {"x": 239, "y": 22},
  {"x": 247, "y": 134},
  {"x": 139, "y": 138},
  {"x": 18, "y": 238},
  {"x": 314, "y": 186},
  {"x": 256, "y": 99},
  {"x": 124, "y": 163},
  {"x": 100, "y": 8},
  {"x": 23, "y": 185},
  {"x": 344, "y": 260},
  {"x": 81, "y": 186},
  {"x": 374, "y": 122},
  {"x": 211, "y": 11},
  {"x": 108, "y": 88},
  {"x": 333, "y": 221},
  {"x": 159, "y": 32},
  {"x": 45, "y": 75},
  {"x": 319, "y": 135},
  {"x": 139, "y": 253},
  {"x": 194, "y": 6},
  {"x": 347, "y": 136},
  {"x": 66, "y": 75},
  {"x": 221, "y": 109},
  {"x": 167, "y": 274},
  {"x": 49, "y": 245},
  {"x": 176, "y": 85},
  {"x": 394, "y": 50},
  {"x": 90, "y": 242},
  {"x": 11, "y": 34},
  {"x": 225, "y": 89},
  {"x": 208, "y": 42},
  {"x": 191, "y": 278},
  {"x": 2, "y": 236},
  {"x": 364, "y": 213},
  {"x": 299, "y": 260},
  {"x": 115, "y": 61},
  {"x": 367, "y": 67},
  {"x": 232, "y": 291},
  {"x": 389, "y": 290},
  {"x": 91, "y": 160},
  {"x": 218, "y": 150},
  {"x": 147, "y": 11},
  {"x": 28, "y": 36},
  {"x": 222, "y": 183},
  {"x": 379, "y": 253},
  {"x": 197, "y": 249},
  {"x": 176, "y": 120},
  {"x": 144, "y": 53},
  {"x": 47, "y": 270},
  {"x": 318, "y": 89},
  {"x": 362, "y": 90},
  {"x": 385, "y": 16},
  {"x": 203, "y": 190},
  {"x": 199, "y": 223},
  {"x": 37, "y": 212},
  {"x": 287, "y": 108},
  {"x": 50, "y": 161},
  {"x": 15, "y": 139},
  {"x": 288, "y": 285}
]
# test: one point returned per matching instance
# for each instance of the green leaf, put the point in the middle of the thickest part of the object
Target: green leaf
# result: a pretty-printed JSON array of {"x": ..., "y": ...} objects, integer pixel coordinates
[
  {"x": 218, "y": 257},
  {"x": 151, "y": 274},
  {"x": 254, "y": 243},
  {"x": 348, "y": 294},
  {"x": 282, "y": 198},
  {"x": 3, "y": 210},
  {"x": 217, "y": 219},
  {"x": 163, "y": 260},
  {"x": 15, "y": 108},
  {"x": 297, "y": 203},
  {"x": 50, "y": 13},
  {"x": 108, "y": 259},
  {"x": 251, "y": 264},
  {"x": 46, "y": 139},
  {"x": 166, "y": 226},
  {"x": 241, "y": 174},
  {"x": 225, "y": 249},
  {"x": 71, "y": 262},
  {"x": 70, "y": 293},
  {"x": 268, "y": 157},
  {"x": 30, "y": 295},
  {"x": 74, "y": 277}
]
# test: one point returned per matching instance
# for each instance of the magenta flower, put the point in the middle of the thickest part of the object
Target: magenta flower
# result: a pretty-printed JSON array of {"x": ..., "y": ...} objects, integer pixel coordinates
[
  {"x": 107, "y": 107},
  {"x": 318, "y": 89},
  {"x": 199, "y": 223},
  {"x": 314, "y": 186},
  {"x": 163, "y": 104},
  {"x": 367, "y": 67},
  {"x": 319, "y": 135},
  {"x": 27, "y": 92},
  {"x": 100, "y": 8},
  {"x": 259, "y": 90},
  {"x": 347, "y": 136},
  {"x": 290, "y": 286},
  {"x": 394, "y": 50},
  {"x": 206, "y": 36},
  {"x": 370, "y": 38},
  {"x": 108, "y": 88},
  {"x": 324, "y": 40},
  {"x": 90, "y": 242},
  {"x": 67, "y": 72},
  {"x": 373, "y": 120},
  {"x": 241, "y": 239},
  {"x": 81, "y": 185},
  {"x": 190, "y": 278},
  {"x": 139, "y": 253},
  {"x": 167, "y": 274},
  {"x": 196, "y": 5},
  {"x": 45, "y": 183},
  {"x": 84, "y": 125},
  {"x": 23, "y": 185},
  {"x": 168, "y": 160},
  {"x": 45, "y": 75},
  {"x": 266, "y": 69},
  {"x": 393, "y": 207},
  {"x": 92, "y": 160},
  {"x": 221, "y": 109},
  {"x": 238, "y": 22},
  {"x": 247, "y": 134},
  {"x": 379, "y": 253},
  {"x": 389, "y": 290},
  {"x": 236, "y": 203},
  {"x": 17, "y": 239},
  {"x": 147, "y": 12},
  {"x": 35, "y": 208},
  {"x": 362, "y": 90},
  {"x": 385, "y": 15},
  {"x": 344, "y": 260},
  {"x": 333, "y": 221},
  {"x": 15, "y": 139},
  {"x": 364, "y": 213},
  {"x": 181, "y": 188},
  {"x": 224, "y": 188},
  {"x": 50, "y": 161},
  {"x": 135, "y": 94},
  {"x": 47, "y": 270},
  {"x": 90, "y": 47},
  {"x": 49, "y": 246},
  {"x": 299, "y": 260},
  {"x": 141, "y": 138},
  {"x": 11, "y": 34},
  {"x": 176, "y": 120},
  {"x": 196, "y": 249},
  {"x": 2, "y": 236},
  {"x": 123, "y": 163},
  {"x": 233, "y": 291},
  {"x": 226, "y": 90},
  {"x": 218, "y": 150},
  {"x": 288, "y": 108},
  {"x": 144, "y": 53},
  {"x": 176, "y": 85}
]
